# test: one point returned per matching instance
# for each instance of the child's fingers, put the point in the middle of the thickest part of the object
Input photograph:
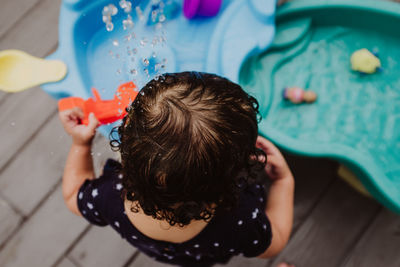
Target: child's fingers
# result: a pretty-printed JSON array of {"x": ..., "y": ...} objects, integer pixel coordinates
[
  {"x": 77, "y": 112},
  {"x": 93, "y": 122},
  {"x": 266, "y": 145}
]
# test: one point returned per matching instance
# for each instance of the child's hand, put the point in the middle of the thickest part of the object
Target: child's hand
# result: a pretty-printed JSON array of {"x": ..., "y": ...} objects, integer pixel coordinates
[
  {"x": 81, "y": 134},
  {"x": 276, "y": 166}
]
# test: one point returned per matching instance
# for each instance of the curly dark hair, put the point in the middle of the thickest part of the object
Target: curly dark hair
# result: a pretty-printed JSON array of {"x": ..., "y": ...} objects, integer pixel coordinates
[{"x": 188, "y": 146}]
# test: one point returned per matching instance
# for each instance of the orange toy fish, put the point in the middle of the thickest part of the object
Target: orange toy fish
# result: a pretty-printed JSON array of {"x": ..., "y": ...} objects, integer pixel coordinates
[{"x": 106, "y": 111}]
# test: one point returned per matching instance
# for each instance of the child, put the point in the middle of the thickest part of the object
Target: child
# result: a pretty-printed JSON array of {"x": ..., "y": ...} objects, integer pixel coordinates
[{"x": 185, "y": 192}]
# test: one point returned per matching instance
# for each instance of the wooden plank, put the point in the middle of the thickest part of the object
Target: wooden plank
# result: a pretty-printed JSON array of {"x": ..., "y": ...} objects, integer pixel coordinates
[
  {"x": 243, "y": 261},
  {"x": 37, "y": 32},
  {"x": 12, "y": 11},
  {"x": 45, "y": 236},
  {"x": 102, "y": 246},
  {"x": 331, "y": 229},
  {"x": 380, "y": 245},
  {"x": 313, "y": 177},
  {"x": 144, "y": 260},
  {"x": 66, "y": 262},
  {"x": 9, "y": 220},
  {"x": 21, "y": 116},
  {"x": 37, "y": 168},
  {"x": 23, "y": 113}
]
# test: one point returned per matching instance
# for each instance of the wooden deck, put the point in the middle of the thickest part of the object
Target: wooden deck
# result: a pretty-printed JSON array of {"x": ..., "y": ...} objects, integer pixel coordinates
[{"x": 334, "y": 226}]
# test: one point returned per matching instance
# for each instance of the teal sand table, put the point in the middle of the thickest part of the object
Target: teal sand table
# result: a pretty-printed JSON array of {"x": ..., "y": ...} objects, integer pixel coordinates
[{"x": 356, "y": 119}]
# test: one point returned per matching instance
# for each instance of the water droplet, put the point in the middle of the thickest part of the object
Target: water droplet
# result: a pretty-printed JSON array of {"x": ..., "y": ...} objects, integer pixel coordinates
[
  {"x": 106, "y": 11},
  {"x": 114, "y": 9},
  {"x": 126, "y": 6},
  {"x": 106, "y": 19},
  {"x": 91, "y": 153},
  {"x": 128, "y": 37},
  {"x": 133, "y": 72},
  {"x": 139, "y": 13},
  {"x": 154, "y": 15},
  {"x": 98, "y": 154},
  {"x": 145, "y": 61},
  {"x": 13, "y": 124},
  {"x": 162, "y": 18},
  {"x": 115, "y": 43},
  {"x": 119, "y": 111},
  {"x": 143, "y": 42},
  {"x": 127, "y": 23},
  {"x": 109, "y": 26},
  {"x": 84, "y": 43}
]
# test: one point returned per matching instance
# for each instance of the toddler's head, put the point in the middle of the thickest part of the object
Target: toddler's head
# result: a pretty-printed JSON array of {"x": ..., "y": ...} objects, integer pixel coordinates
[{"x": 188, "y": 146}]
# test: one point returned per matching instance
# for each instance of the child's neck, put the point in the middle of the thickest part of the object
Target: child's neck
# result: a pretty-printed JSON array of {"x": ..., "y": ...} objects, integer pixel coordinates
[{"x": 162, "y": 230}]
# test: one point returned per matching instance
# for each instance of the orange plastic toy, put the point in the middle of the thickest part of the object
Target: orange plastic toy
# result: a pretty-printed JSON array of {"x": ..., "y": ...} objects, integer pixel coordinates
[{"x": 106, "y": 111}]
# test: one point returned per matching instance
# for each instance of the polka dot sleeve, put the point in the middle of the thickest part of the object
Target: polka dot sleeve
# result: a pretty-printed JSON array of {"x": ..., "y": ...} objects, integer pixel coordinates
[
  {"x": 88, "y": 204},
  {"x": 94, "y": 195},
  {"x": 255, "y": 227}
]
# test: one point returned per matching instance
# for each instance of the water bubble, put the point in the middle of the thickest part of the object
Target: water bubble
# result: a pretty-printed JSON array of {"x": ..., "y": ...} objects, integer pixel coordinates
[
  {"x": 92, "y": 153},
  {"x": 129, "y": 52},
  {"x": 109, "y": 26},
  {"x": 133, "y": 72},
  {"x": 139, "y": 13},
  {"x": 162, "y": 18},
  {"x": 119, "y": 111},
  {"x": 117, "y": 56},
  {"x": 118, "y": 71},
  {"x": 13, "y": 124},
  {"x": 106, "y": 19},
  {"x": 141, "y": 92},
  {"x": 135, "y": 51},
  {"x": 154, "y": 15},
  {"x": 154, "y": 42},
  {"x": 163, "y": 66},
  {"x": 114, "y": 9},
  {"x": 115, "y": 43},
  {"x": 127, "y": 23},
  {"x": 145, "y": 61},
  {"x": 98, "y": 154},
  {"x": 154, "y": 54},
  {"x": 146, "y": 71},
  {"x": 126, "y": 6},
  {"x": 127, "y": 37},
  {"x": 110, "y": 52},
  {"x": 159, "y": 26},
  {"x": 164, "y": 60},
  {"x": 106, "y": 11},
  {"x": 143, "y": 42},
  {"x": 84, "y": 43}
]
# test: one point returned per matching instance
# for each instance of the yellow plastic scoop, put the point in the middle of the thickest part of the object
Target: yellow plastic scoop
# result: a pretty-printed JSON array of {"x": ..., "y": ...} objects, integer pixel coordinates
[{"x": 20, "y": 71}]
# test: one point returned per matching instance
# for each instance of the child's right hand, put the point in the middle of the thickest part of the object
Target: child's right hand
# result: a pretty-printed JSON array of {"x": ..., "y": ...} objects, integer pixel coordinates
[
  {"x": 82, "y": 135},
  {"x": 276, "y": 166}
]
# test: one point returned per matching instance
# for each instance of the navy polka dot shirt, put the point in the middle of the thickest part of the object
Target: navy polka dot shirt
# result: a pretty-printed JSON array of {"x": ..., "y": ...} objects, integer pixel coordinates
[{"x": 244, "y": 230}]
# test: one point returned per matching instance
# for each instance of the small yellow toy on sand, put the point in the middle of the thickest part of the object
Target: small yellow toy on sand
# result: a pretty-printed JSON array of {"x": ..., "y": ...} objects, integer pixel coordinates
[{"x": 365, "y": 62}]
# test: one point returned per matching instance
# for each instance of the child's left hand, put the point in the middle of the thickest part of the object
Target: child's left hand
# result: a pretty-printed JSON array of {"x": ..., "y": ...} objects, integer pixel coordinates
[{"x": 82, "y": 135}]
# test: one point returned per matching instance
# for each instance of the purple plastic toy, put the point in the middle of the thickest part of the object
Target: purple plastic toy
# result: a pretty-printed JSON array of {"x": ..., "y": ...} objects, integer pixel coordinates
[{"x": 205, "y": 8}]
